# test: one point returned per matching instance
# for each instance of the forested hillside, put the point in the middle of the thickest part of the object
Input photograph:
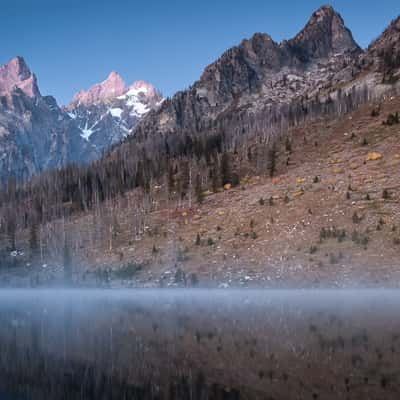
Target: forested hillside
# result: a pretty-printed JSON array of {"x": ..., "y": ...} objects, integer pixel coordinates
[{"x": 263, "y": 112}]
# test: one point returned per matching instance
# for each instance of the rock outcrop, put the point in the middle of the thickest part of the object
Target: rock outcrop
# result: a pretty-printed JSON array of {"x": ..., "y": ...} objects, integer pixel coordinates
[
  {"x": 17, "y": 75},
  {"x": 112, "y": 87}
]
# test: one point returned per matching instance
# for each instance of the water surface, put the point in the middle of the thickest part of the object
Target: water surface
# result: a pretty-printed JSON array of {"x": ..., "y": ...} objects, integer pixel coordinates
[{"x": 200, "y": 344}]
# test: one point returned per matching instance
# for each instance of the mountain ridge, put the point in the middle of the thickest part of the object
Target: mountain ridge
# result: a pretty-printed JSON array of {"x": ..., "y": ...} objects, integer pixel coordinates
[
  {"x": 111, "y": 87},
  {"x": 313, "y": 119},
  {"x": 259, "y": 73},
  {"x": 108, "y": 111},
  {"x": 37, "y": 134}
]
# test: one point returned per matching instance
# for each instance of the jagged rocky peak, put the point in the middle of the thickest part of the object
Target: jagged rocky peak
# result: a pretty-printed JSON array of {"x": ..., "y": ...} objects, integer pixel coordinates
[
  {"x": 324, "y": 35},
  {"x": 390, "y": 37},
  {"x": 384, "y": 53},
  {"x": 35, "y": 133},
  {"x": 106, "y": 113},
  {"x": 396, "y": 24},
  {"x": 96, "y": 119},
  {"x": 17, "y": 75},
  {"x": 257, "y": 64},
  {"x": 112, "y": 87},
  {"x": 143, "y": 87}
]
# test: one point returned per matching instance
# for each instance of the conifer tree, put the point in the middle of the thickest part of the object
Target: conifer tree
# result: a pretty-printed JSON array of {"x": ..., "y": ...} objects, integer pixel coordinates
[
  {"x": 67, "y": 261},
  {"x": 225, "y": 169},
  {"x": 272, "y": 158},
  {"x": 33, "y": 240}
]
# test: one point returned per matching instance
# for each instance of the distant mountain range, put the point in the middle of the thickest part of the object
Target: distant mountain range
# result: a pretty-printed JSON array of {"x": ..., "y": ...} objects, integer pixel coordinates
[
  {"x": 277, "y": 84},
  {"x": 37, "y": 134},
  {"x": 259, "y": 85}
]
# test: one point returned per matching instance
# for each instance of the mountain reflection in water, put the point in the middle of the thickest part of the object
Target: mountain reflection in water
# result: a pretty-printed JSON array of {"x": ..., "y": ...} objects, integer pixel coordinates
[{"x": 199, "y": 344}]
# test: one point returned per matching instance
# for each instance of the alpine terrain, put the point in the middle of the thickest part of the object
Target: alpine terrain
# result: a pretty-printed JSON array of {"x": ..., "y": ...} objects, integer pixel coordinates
[
  {"x": 279, "y": 167},
  {"x": 36, "y": 134},
  {"x": 108, "y": 111}
]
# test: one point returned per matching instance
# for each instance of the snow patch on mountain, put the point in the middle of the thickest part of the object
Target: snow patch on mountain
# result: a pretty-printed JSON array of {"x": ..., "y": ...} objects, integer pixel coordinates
[
  {"x": 87, "y": 132},
  {"x": 139, "y": 109},
  {"x": 137, "y": 91},
  {"x": 116, "y": 112}
]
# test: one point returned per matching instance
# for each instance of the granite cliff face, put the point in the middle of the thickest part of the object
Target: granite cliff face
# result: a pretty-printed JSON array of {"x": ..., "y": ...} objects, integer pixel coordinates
[
  {"x": 17, "y": 75},
  {"x": 324, "y": 36},
  {"x": 383, "y": 55}
]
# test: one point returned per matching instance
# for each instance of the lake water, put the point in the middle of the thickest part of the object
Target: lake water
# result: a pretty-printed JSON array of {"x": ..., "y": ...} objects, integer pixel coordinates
[{"x": 199, "y": 344}]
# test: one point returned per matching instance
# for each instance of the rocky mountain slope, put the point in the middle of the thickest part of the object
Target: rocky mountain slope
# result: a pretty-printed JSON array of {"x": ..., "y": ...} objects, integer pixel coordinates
[
  {"x": 261, "y": 76},
  {"x": 17, "y": 75},
  {"x": 259, "y": 89},
  {"x": 331, "y": 218},
  {"x": 36, "y": 134},
  {"x": 383, "y": 55},
  {"x": 108, "y": 111},
  {"x": 279, "y": 165}
]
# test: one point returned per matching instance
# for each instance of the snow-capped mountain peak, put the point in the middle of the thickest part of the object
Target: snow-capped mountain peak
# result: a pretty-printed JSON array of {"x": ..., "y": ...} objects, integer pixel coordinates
[
  {"x": 35, "y": 133},
  {"x": 142, "y": 87},
  {"x": 108, "y": 111},
  {"x": 110, "y": 88},
  {"x": 140, "y": 98}
]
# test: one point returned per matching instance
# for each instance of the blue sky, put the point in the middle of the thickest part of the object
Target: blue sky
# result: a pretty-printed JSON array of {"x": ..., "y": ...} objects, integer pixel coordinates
[{"x": 72, "y": 44}]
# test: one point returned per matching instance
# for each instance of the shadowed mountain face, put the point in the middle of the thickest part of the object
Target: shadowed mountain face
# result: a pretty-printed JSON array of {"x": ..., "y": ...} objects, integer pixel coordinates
[
  {"x": 260, "y": 73},
  {"x": 324, "y": 36},
  {"x": 384, "y": 53},
  {"x": 246, "y": 68},
  {"x": 35, "y": 134}
]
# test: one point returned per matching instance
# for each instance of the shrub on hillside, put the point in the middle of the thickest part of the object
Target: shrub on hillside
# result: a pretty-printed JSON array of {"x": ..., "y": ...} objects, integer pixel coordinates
[
  {"x": 392, "y": 119},
  {"x": 128, "y": 271}
]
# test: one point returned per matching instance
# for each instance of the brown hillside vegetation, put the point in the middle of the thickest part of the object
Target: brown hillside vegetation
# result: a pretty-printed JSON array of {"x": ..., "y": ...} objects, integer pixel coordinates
[
  {"x": 262, "y": 172},
  {"x": 329, "y": 217}
]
